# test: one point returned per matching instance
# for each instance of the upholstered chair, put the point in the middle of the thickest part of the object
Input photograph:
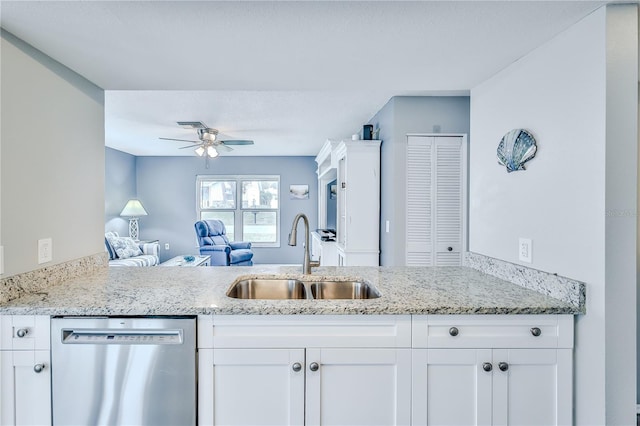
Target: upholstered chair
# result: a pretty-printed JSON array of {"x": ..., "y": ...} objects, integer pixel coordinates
[{"x": 213, "y": 241}]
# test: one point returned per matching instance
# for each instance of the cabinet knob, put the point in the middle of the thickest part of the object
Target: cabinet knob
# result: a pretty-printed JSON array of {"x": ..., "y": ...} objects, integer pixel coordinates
[
  {"x": 314, "y": 366},
  {"x": 453, "y": 331},
  {"x": 536, "y": 331},
  {"x": 450, "y": 248},
  {"x": 22, "y": 332},
  {"x": 297, "y": 366},
  {"x": 503, "y": 366},
  {"x": 487, "y": 366},
  {"x": 38, "y": 368}
]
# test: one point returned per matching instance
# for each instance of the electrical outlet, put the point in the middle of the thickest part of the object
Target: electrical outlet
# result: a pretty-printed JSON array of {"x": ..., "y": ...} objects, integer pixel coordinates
[
  {"x": 45, "y": 250},
  {"x": 525, "y": 250},
  {"x": 166, "y": 246}
]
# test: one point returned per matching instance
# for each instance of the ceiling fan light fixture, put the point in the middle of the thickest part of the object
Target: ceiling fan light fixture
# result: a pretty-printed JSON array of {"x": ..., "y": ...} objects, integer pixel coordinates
[
  {"x": 200, "y": 151},
  {"x": 212, "y": 152}
]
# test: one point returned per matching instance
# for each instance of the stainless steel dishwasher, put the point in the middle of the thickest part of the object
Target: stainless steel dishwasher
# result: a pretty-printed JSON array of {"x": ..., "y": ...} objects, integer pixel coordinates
[{"x": 123, "y": 371}]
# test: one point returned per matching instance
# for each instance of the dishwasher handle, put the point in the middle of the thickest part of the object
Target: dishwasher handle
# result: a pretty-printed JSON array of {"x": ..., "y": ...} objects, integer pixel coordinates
[{"x": 122, "y": 337}]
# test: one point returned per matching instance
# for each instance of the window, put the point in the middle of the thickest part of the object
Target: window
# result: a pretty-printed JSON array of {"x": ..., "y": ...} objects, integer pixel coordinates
[{"x": 249, "y": 206}]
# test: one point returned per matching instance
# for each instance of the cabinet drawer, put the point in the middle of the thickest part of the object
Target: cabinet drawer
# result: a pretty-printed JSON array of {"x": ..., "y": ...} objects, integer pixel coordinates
[
  {"x": 491, "y": 331},
  {"x": 24, "y": 332},
  {"x": 286, "y": 331}
]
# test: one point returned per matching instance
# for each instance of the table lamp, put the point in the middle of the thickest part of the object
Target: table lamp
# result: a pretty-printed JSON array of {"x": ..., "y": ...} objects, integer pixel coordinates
[{"x": 133, "y": 210}]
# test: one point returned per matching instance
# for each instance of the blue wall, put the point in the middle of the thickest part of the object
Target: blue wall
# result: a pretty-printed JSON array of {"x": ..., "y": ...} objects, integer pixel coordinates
[
  {"x": 167, "y": 188},
  {"x": 119, "y": 187},
  {"x": 402, "y": 115}
]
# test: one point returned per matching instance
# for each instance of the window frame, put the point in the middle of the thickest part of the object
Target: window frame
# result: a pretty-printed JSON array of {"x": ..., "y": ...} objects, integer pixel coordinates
[{"x": 239, "y": 210}]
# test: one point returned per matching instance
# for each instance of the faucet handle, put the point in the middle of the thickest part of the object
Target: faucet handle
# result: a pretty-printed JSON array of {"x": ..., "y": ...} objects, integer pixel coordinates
[{"x": 315, "y": 263}]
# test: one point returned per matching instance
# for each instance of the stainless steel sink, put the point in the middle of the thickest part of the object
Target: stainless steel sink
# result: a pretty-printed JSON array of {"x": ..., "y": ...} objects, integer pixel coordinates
[
  {"x": 343, "y": 290},
  {"x": 268, "y": 288},
  {"x": 283, "y": 289}
]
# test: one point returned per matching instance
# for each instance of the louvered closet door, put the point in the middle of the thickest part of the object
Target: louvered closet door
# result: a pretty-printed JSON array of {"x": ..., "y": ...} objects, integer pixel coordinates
[
  {"x": 419, "y": 201},
  {"x": 435, "y": 191},
  {"x": 448, "y": 201}
]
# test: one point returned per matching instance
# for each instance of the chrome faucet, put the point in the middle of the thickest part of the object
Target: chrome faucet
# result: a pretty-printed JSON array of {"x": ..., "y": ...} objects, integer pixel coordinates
[{"x": 307, "y": 263}]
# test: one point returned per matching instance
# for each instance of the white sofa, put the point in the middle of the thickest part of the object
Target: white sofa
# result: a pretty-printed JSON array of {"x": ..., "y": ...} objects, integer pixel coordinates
[{"x": 149, "y": 256}]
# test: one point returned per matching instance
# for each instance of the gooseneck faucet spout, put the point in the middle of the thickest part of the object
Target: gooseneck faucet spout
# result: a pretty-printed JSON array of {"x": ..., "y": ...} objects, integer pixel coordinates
[{"x": 307, "y": 263}]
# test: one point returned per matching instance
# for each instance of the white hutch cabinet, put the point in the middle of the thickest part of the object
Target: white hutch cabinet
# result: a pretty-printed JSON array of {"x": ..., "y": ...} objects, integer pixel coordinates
[
  {"x": 358, "y": 220},
  {"x": 356, "y": 167}
]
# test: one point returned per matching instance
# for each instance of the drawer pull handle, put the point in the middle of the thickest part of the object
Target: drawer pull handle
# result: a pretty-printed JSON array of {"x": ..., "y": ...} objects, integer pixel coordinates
[
  {"x": 487, "y": 366},
  {"x": 536, "y": 331},
  {"x": 314, "y": 366},
  {"x": 38, "y": 368},
  {"x": 22, "y": 332},
  {"x": 297, "y": 366},
  {"x": 453, "y": 331},
  {"x": 503, "y": 366}
]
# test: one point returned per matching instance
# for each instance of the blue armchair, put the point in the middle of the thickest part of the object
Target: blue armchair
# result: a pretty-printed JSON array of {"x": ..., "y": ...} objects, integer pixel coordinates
[{"x": 213, "y": 241}]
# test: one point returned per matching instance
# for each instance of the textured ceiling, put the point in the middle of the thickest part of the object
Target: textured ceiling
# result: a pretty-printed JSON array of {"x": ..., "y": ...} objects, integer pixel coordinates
[{"x": 287, "y": 74}]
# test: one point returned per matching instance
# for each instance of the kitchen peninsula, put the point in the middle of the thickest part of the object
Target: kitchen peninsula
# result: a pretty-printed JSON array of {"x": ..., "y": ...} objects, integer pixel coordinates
[{"x": 444, "y": 345}]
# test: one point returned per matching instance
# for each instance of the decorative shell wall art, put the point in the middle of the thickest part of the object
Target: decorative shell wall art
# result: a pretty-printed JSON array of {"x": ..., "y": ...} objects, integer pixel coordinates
[{"x": 516, "y": 148}]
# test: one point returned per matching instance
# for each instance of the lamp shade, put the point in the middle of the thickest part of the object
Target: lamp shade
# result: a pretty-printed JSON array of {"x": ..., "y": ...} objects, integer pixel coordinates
[{"x": 133, "y": 208}]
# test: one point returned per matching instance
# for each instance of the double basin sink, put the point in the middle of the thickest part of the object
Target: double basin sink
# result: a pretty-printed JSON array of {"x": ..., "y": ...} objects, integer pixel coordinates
[{"x": 284, "y": 289}]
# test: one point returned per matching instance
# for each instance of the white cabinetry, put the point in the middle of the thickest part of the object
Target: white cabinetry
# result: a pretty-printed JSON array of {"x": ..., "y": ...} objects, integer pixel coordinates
[
  {"x": 476, "y": 370},
  {"x": 307, "y": 370},
  {"x": 324, "y": 251},
  {"x": 436, "y": 200},
  {"x": 358, "y": 218},
  {"x": 25, "y": 372}
]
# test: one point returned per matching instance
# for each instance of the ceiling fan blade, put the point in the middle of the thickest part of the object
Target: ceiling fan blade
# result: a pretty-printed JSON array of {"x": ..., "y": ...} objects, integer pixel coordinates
[
  {"x": 190, "y": 146},
  {"x": 179, "y": 140},
  {"x": 223, "y": 147},
  {"x": 192, "y": 124},
  {"x": 238, "y": 142}
]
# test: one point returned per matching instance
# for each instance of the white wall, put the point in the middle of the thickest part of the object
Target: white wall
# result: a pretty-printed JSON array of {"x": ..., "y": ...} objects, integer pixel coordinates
[
  {"x": 52, "y": 165},
  {"x": 563, "y": 93}
]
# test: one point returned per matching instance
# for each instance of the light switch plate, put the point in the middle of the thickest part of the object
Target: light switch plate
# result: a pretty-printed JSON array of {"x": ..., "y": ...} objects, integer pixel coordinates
[
  {"x": 45, "y": 250},
  {"x": 525, "y": 249}
]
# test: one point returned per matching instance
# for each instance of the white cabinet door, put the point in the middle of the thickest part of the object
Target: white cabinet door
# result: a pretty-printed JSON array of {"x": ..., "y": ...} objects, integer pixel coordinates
[
  {"x": 532, "y": 387},
  {"x": 523, "y": 387},
  {"x": 448, "y": 197},
  {"x": 258, "y": 387},
  {"x": 358, "y": 387},
  {"x": 450, "y": 387},
  {"x": 25, "y": 395},
  {"x": 419, "y": 201}
]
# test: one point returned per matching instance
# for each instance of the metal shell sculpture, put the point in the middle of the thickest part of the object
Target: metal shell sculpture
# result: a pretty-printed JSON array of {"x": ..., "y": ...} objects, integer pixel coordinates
[{"x": 516, "y": 148}]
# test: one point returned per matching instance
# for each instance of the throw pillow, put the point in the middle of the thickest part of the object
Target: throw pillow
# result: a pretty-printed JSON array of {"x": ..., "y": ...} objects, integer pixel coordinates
[
  {"x": 125, "y": 247},
  {"x": 110, "y": 250}
]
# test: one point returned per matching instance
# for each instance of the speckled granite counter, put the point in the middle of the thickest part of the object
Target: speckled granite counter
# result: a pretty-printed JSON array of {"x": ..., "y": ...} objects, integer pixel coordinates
[{"x": 189, "y": 291}]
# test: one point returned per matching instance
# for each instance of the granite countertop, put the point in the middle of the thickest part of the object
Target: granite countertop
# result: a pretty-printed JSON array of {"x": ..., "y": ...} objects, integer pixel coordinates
[{"x": 201, "y": 290}]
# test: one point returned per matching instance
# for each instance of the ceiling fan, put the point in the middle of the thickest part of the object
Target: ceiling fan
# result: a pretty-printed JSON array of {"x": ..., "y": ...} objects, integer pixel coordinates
[{"x": 209, "y": 145}]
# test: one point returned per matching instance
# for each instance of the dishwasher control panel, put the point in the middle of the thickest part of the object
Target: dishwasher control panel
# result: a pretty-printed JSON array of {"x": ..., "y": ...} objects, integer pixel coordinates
[{"x": 128, "y": 337}]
